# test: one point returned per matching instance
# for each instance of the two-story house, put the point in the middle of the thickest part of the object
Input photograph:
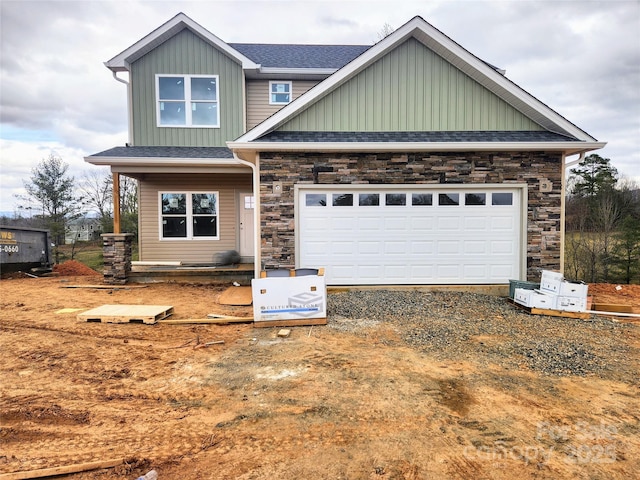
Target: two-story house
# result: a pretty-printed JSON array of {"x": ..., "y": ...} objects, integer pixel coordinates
[{"x": 410, "y": 161}]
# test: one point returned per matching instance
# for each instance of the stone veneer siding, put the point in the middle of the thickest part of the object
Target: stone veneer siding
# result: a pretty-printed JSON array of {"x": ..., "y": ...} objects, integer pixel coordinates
[
  {"x": 117, "y": 251},
  {"x": 544, "y": 209}
]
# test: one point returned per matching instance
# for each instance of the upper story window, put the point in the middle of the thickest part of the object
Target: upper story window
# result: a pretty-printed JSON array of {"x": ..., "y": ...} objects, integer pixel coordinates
[
  {"x": 280, "y": 93},
  {"x": 187, "y": 101}
]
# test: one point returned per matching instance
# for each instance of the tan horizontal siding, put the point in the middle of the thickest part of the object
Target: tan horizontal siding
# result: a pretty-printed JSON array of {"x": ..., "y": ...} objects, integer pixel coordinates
[
  {"x": 258, "y": 108},
  {"x": 227, "y": 185}
]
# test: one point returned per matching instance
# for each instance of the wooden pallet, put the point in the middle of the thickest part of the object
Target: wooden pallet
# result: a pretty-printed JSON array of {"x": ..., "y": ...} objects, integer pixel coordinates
[
  {"x": 551, "y": 313},
  {"x": 148, "y": 314}
]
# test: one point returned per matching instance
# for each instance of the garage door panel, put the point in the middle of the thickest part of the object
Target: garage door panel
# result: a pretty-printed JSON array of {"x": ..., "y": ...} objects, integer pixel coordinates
[
  {"x": 342, "y": 248},
  {"x": 502, "y": 223},
  {"x": 449, "y": 247},
  {"x": 476, "y": 224},
  {"x": 399, "y": 223},
  {"x": 475, "y": 272},
  {"x": 475, "y": 247},
  {"x": 369, "y": 272},
  {"x": 449, "y": 223},
  {"x": 500, "y": 247},
  {"x": 422, "y": 223},
  {"x": 449, "y": 272},
  {"x": 395, "y": 247},
  {"x": 370, "y": 248},
  {"x": 412, "y": 244},
  {"x": 342, "y": 224},
  {"x": 422, "y": 247}
]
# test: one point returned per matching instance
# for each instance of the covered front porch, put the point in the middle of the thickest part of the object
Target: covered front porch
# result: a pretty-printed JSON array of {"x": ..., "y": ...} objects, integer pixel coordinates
[{"x": 241, "y": 273}]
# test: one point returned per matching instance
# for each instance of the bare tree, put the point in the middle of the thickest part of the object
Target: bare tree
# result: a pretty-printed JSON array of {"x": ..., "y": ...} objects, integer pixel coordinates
[
  {"x": 97, "y": 190},
  {"x": 385, "y": 31}
]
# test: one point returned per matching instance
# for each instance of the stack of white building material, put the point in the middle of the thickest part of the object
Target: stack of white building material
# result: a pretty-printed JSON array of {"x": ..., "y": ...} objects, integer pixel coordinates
[{"x": 555, "y": 293}]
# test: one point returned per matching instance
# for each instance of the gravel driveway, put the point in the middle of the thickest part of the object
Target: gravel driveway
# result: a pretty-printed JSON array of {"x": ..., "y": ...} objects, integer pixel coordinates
[{"x": 462, "y": 326}]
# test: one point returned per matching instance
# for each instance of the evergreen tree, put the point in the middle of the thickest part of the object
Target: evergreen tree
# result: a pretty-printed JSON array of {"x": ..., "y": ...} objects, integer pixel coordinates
[
  {"x": 594, "y": 176},
  {"x": 53, "y": 191}
]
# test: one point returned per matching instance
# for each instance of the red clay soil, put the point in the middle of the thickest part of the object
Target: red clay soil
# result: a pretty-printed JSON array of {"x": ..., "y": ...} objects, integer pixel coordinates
[
  {"x": 74, "y": 268},
  {"x": 617, "y": 294}
]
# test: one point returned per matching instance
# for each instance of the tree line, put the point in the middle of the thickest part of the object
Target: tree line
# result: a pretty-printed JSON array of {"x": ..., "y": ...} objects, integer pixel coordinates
[
  {"x": 602, "y": 242},
  {"x": 57, "y": 201}
]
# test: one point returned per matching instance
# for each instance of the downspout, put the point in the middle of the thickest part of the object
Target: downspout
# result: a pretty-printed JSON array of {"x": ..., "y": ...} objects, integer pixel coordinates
[
  {"x": 129, "y": 111},
  {"x": 257, "y": 260},
  {"x": 563, "y": 204}
]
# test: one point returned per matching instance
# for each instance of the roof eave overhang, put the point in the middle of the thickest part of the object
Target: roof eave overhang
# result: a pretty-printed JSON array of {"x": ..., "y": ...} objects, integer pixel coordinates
[
  {"x": 162, "y": 161},
  {"x": 274, "y": 73},
  {"x": 569, "y": 148}
]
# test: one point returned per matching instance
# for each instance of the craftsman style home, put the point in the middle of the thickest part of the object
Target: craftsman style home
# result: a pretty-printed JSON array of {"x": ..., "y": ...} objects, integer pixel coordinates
[{"x": 410, "y": 161}]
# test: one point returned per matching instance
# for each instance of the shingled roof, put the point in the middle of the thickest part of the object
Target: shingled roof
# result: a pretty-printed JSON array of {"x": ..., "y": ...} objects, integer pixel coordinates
[
  {"x": 408, "y": 137},
  {"x": 166, "y": 152},
  {"x": 300, "y": 56}
]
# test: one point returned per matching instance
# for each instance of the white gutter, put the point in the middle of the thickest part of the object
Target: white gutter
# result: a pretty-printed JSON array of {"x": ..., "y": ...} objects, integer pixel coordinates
[
  {"x": 573, "y": 162},
  {"x": 257, "y": 259}
]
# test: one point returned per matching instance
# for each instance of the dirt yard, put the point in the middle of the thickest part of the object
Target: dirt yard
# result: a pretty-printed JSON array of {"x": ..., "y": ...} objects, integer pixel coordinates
[{"x": 438, "y": 386}]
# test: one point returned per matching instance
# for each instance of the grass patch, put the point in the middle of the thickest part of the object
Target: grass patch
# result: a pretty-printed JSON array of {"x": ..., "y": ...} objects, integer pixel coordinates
[{"x": 88, "y": 253}]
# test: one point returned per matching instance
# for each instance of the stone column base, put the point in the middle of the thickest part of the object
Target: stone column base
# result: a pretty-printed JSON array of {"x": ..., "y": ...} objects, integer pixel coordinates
[{"x": 116, "y": 249}]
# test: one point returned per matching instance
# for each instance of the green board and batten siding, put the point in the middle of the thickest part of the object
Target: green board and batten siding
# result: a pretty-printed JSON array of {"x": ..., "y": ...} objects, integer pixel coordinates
[
  {"x": 410, "y": 89},
  {"x": 187, "y": 54}
]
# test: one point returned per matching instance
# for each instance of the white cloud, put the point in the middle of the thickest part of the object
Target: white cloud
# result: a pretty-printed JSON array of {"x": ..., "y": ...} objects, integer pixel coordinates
[{"x": 582, "y": 58}]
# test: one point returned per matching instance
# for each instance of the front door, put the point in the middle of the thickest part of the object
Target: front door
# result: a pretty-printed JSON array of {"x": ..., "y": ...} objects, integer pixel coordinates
[{"x": 247, "y": 206}]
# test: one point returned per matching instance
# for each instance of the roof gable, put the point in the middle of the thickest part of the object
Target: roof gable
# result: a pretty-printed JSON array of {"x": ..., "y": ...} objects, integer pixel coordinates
[
  {"x": 411, "y": 88},
  {"x": 417, "y": 28},
  {"x": 166, "y": 31}
]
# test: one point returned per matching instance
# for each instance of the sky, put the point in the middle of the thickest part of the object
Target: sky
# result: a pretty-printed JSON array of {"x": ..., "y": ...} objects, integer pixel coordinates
[{"x": 581, "y": 58}]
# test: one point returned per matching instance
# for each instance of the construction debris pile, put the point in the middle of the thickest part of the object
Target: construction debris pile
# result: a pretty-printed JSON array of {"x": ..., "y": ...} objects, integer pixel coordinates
[{"x": 555, "y": 293}]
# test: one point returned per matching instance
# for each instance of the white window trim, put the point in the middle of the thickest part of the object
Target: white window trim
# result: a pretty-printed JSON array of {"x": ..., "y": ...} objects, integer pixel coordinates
[
  {"x": 276, "y": 82},
  {"x": 189, "y": 216},
  {"x": 187, "y": 100}
]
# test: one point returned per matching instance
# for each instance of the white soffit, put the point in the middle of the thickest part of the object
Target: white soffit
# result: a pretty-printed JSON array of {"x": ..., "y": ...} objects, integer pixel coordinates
[
  {"x": 163, "y": 161},
  {"x": 450, "y": 51}
]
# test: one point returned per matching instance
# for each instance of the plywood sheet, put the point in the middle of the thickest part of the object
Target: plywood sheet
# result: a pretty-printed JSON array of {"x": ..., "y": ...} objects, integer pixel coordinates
[
  {"x": 148, "y": 314},
  {"x": 238, "y": 296}
]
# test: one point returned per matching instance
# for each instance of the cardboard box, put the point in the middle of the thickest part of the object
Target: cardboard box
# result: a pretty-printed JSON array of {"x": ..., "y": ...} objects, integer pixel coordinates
[
  {"x": 578, "y": 290},
  {"x": 571, "y": 304},
  {"x": 289, "y": 298},
  {"x": 551, "y": 282},
  {"x": 533, "y": 299}
]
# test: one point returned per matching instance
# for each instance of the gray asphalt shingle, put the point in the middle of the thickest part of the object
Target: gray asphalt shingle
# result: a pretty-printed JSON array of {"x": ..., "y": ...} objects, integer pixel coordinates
[
  {"x": 166, "y": 152},
  {"x": 300, "y": 56},
  {"x": 442, "y": 136}
]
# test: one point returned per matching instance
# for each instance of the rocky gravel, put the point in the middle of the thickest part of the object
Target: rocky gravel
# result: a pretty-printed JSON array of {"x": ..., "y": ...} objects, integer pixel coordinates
[{"x": 490, "y": 330}]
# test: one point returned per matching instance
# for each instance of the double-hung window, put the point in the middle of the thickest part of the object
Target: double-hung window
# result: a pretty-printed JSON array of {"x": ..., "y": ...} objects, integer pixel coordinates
[
  {"x": 189, "y": 215},
  {"x": 187, "y": 101},
  {"x": 279, "y": 93}
]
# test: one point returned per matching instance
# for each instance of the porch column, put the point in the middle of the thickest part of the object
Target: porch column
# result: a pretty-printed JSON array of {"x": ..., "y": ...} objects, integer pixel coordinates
[
  {"x": 116, "y": 202},
  {"x": 116, "y": 250}
]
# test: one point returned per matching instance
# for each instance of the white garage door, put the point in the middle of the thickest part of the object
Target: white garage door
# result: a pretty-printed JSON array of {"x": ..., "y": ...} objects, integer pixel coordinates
[{"x": 410, "y": 235}]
